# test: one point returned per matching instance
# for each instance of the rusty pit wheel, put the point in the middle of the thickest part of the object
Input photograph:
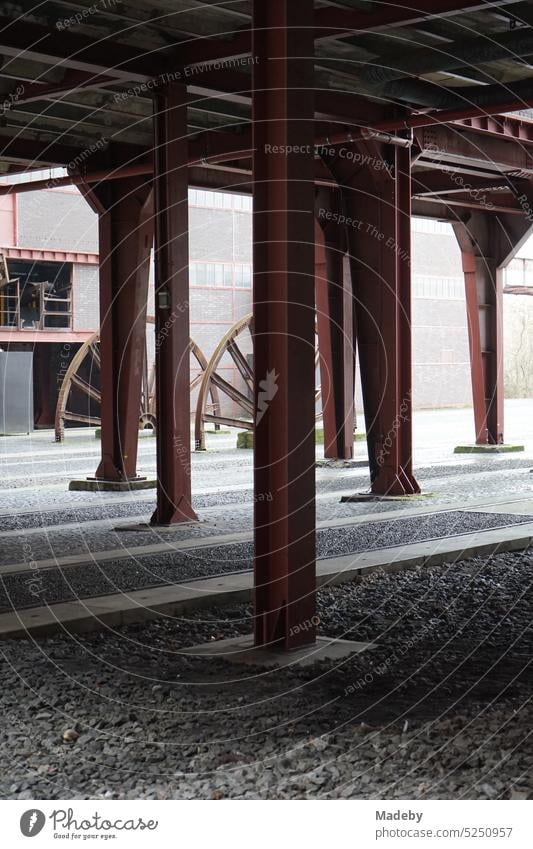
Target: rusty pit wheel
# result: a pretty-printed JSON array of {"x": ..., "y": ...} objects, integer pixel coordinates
[
  {"x": 235, "y": 344},
  {"x": 79, "y": 397}
]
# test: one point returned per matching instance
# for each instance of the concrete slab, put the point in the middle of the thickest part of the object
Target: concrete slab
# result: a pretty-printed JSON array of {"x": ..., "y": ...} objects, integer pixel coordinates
[
  {"x": 487, "y": 449},
  {"x": 359, "y": 497},
  {"x": 524, "y": 507},
  {"x": 341, "y": 464},
  {"x": 242, "y": 650},
  {"x": 175, "y": 599},
  {"x": 147, "y": 526},
  {"x": 94, "y": 485}
]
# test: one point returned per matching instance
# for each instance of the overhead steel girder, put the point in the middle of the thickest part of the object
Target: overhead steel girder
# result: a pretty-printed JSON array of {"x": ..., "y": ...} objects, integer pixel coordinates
[
  {"x": 447, "y": 145},
  {"x": 172, "y": 366},
  {"x": 510, "y": 127},
  {"x": 438, "y": 182},
  {"x": 348, "y": 22},
  {"x": 448, "y": 56},
  {"x": 284, "y": 326},
  {"x": 125, "y": 213},
  {"x": 23, "y": 38}
]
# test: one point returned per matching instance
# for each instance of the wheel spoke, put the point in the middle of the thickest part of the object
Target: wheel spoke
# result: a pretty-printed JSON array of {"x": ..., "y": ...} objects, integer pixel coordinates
[
  {"x": 233, "y": 393},
  {"x": 241, "y": 362},
  {"x": 95, "y": 353},
  {"x": 86, "y": 388}
]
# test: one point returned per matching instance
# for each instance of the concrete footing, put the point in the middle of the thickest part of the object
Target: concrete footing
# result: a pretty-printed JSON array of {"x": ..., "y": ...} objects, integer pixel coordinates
[
  {"x": 242, "y": 650},
  {"x": 328, "y": 463},
  {"x": 95, "y": 485},
  {"x": 487, "y": 449},
  {"x": 143, "y": 527},
  {"x": 360, "y": 497},
  {"x": 245, "y": 439}
]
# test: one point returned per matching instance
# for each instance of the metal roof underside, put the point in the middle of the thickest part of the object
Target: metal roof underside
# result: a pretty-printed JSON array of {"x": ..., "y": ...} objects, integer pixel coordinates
[{"x": 80, "y": 74}]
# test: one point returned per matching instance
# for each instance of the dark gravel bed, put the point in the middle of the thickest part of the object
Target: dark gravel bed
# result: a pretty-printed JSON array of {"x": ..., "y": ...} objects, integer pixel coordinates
[
  {"x": 440, "y": 708},
  {"x": 35, "y": 588},
  {"x": 44, "y": 518}
]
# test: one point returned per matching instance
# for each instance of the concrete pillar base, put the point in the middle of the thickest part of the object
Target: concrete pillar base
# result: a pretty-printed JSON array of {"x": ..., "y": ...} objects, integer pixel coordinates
[
  {"x": 507, "y": 448},
  {"x": 242, "y": 650},
  {"x": 96, "y": 485},
  {"x": 360, "y": 497},
  {"x": 245, "y": 439}
]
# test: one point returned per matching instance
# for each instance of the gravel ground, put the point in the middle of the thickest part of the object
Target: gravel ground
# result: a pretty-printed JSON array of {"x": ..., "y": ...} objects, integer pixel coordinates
[
  {"x": 439, "y": 708},
  {"x": 131, "y": 573}
]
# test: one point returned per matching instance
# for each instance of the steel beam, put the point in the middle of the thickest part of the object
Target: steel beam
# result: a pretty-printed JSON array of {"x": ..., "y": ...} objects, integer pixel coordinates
[
  {"x": 284, "y": 325},
  {"x": 125, "y": 238},
  {"x": 377, "y": 200},
  {"x": 338, "y": 23},
  {"x": 172, "y": 308},
  {"x": 334, "y": 306}
]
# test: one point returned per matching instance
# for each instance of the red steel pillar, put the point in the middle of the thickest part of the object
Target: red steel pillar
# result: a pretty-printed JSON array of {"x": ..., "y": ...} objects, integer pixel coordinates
[
  {"x": 379, "y": 200},
  {"x": 125, "y": 229},
  {"x": 172, "y": 308},
  {"x": 488, "y": 241},
  {"x": 334, "y": 305},
  {"x": 478, "y": 240},
  {"x": 284, "y": 324},
  {"x": 484, "y": 308}
]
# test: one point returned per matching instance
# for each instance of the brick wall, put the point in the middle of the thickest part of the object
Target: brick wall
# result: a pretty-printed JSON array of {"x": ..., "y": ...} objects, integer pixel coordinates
[
  {"x": 60, "y": 220},
  {"x": 63, "y": 220},
  {"x": 85, "y": 297}
]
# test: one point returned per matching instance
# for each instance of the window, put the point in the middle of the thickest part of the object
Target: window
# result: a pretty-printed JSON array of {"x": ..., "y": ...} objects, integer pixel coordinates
[
  {"x": 441, "y": 288},
  {"x": 431, "y": 225},
  {"x": 201, "y": 274},
  {"x": 243, "y": 276}
]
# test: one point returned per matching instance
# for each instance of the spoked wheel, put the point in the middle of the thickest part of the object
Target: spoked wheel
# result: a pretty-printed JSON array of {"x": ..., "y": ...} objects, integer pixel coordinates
[
  {"x": 235, "y": 347},
  {"x": 79, "y": 397}
]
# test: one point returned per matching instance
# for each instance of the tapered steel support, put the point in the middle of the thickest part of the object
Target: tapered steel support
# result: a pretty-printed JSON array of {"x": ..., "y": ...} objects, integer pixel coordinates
[
  {"x": 378, "y": 199},
  {"x": 488, "y": 241},
  {"x": 284, "y": 324},
  {"x": 334, "y": 305},
  {"x": 125, "y": 227},
  {"x": 172, "y": 365},
  {"x": 484, "y": 309}
]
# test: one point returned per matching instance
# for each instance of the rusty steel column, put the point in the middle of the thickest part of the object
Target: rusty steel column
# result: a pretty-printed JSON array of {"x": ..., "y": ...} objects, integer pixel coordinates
[
  {"x": 172, "y": 308},
  {"x": 378, "y": 198},
  {"x": 488, "y": 241},
  {"x": 484, "y": 310},
  {"x": 334, "y": 304},
  {"x": 478, "y": 241},
  {"x": 284, "y": 324},
  {"x": 125, "y": 228}
]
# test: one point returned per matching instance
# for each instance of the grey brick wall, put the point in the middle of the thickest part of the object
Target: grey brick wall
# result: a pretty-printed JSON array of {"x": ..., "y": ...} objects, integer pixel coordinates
[
  {"x": 211, "y": 234},
  {"x": 56, "y": 220},
  {"x": 85, "y": 296},
  {"x": 441, "y": 377}
]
